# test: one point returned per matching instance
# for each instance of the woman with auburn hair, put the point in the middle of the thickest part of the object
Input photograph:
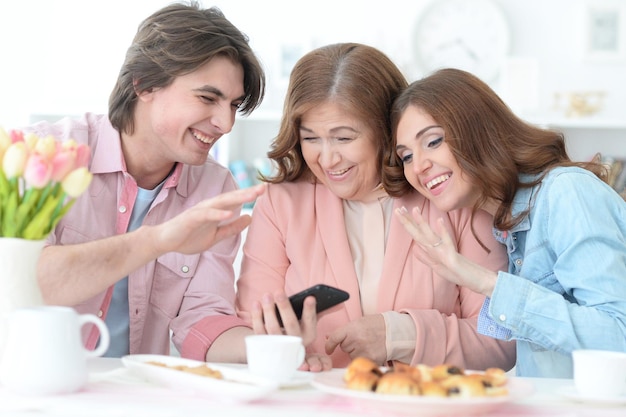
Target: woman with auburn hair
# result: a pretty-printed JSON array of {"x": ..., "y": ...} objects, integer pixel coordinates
[
  {"x": 564, "y": 227},
  {"x": 325, "y": 218}
]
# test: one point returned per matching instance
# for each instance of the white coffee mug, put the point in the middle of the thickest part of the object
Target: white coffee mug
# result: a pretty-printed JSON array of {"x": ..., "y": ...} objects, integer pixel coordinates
[
  {"x": 275, "y": 357},
  {"x": 44, "y": 353},
  {"x": 599, "y": 373}
]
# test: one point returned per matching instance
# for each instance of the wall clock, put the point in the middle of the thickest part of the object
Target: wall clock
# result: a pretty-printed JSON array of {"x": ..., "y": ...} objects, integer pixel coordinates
[{"x": 471, "y": 35}]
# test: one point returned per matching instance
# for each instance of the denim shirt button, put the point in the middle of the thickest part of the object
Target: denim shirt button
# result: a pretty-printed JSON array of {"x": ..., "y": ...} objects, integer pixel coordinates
[
  {"x": 518, "y": 262},
  {"x": 502, "y": 317},
  {"x": 491, "y": 329},
  {"x": 185, "y": 269}
]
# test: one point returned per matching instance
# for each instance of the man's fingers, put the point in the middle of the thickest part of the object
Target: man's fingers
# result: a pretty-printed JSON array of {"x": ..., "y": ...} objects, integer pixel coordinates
[
  {"x": 232, "y": 199},
  {"x": 334, "y": 339},
  {"x": 232, "y": 228}
]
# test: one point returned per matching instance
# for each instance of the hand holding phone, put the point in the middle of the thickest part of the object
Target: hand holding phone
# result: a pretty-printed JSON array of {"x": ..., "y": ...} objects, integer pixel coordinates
[{"x": 325, "y": 296}]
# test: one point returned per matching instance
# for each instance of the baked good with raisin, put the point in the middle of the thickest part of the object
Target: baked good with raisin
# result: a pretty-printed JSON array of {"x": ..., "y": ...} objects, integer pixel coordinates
[
  {"x": 444, "y": 371},
  {"x": 494, "y": 387},
  {"x": 463, "y": 386},
  {"x": 363, "y": 381},
  {"x": 397, "y": 383},
  {"x": 361, "y": 364},
  {"x": 417, "y": 373},
  {"x": 432, "y": 389},
  {"x": 496, "y": 376},
  {"x": 445, "y": 380}
]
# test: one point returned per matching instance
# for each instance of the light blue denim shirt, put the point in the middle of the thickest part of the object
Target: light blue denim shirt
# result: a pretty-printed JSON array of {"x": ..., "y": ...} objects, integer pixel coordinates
[{"x": 566, "y": 284}]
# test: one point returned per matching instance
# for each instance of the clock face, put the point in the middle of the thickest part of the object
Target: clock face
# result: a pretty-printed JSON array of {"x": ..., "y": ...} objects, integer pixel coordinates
[{"x": 472, "y": 35}]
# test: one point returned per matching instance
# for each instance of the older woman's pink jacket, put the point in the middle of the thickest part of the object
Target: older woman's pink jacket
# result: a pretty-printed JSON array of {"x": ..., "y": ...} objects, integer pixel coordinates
[{"x": 297, "y": 238}]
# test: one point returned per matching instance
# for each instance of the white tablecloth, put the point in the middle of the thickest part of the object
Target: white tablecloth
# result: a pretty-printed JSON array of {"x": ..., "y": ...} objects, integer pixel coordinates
[{"x": 114, "y": 391}]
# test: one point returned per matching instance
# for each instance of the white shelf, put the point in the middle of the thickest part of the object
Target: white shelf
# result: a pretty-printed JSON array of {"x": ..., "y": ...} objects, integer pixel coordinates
[{"x": 599, "y": 123}]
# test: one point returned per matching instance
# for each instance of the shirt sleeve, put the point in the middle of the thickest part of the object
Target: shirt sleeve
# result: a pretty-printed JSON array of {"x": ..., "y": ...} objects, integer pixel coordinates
[
  {"x": 575, "y": 293},
  {"x": 488, "y": 326},
  {"x": 452, "y": 337},
  {"x": 400, "y": 336},
  {"x": 208, "y": 305}
]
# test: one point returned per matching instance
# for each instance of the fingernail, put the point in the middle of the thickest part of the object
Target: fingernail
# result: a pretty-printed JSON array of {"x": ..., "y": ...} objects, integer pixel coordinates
[{"x": 402, "y": 210}]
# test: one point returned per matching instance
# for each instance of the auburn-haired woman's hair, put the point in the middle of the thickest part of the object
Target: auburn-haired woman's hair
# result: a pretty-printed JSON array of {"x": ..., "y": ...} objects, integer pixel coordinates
[
  {"x": 359, "y": 78},
  {"x": 490, "y": 143}
]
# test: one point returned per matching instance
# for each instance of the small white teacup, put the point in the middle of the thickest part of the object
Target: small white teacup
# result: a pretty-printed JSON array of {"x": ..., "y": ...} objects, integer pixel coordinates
[
  {"x": 275, "y": 357},
  {"x": 599, "y": 373},
  {"x": 44, "y": 353}
]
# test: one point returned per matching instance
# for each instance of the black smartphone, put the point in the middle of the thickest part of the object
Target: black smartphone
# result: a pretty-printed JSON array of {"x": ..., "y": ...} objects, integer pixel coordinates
[{"x": 325, "y": 295}]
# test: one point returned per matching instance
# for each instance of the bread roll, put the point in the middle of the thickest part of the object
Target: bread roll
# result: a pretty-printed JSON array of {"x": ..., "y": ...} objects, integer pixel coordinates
[
  {"x": 432, "y": 389},
  {"x": 359, "y": 365},
  {"x": 441, "y": 372},
  {"x": 363, "y": 381},
  {"x": 397, "y": 383},
  {"x": 463, "y": 386}
]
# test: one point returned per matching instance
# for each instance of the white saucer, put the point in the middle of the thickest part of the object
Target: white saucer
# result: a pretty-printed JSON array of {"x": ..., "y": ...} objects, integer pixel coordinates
[
  {"x": 571, "y": 394},
  {"x": 301, "y": 378}
]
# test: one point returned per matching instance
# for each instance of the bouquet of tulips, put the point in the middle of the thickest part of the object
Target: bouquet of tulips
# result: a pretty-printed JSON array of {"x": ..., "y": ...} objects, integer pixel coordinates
[{"x": 39, "y": 180}]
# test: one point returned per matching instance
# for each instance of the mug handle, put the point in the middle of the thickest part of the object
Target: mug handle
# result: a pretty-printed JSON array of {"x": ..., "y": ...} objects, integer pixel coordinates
[
  {"x": 301, "y": 355},
  {"x": 105, "y": 338}
]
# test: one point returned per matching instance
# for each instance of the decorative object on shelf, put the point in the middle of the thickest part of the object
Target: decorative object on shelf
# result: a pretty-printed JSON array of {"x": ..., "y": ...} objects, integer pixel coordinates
[
  {"x": 39, "y": 180},
  {"x": 579, "y": 103},
  {"x": 469, "y": 35},
  {"x": 617, "y": 173},
  {"x": 605, "y": 30}
]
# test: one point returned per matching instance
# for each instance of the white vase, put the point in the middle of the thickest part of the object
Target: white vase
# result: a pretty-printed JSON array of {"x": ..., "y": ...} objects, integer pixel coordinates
[{"x": 18, "y": 278}]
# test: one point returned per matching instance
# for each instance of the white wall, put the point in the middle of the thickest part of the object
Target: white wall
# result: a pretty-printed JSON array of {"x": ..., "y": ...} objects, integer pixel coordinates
[{"x": 62, "y": 56}]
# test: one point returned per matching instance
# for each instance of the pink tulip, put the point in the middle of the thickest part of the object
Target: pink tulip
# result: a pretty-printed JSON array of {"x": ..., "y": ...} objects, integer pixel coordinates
[
  {"x": 14, "y": 160},
  {"x": 76, "y": 182},
  {"x": 16, "y": 136},
  {"x": 38, "y": 171},
  {"x": 83, "y": 155},
  {"x": 80, "y": 150},
  {"x": 62, "y": 164}
]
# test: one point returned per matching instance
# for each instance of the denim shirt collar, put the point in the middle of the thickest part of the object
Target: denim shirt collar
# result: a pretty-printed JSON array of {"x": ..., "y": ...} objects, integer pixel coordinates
[{"x": 521, "y": 202}]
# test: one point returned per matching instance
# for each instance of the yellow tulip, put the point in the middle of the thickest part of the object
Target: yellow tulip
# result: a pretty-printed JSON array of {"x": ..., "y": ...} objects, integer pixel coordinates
[
  {"x": 31, "y": 140},
  {"x": 5, "y": 141},
  {"x": 46, "y": 147},
  {"x": 14, "y": 160},
  {"x": 76, "y": 182}
]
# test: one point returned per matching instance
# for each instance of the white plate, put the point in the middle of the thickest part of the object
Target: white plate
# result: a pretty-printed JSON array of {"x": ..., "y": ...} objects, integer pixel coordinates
[
  {"x": 236, "y": 386},
  {"x": 571, "y": 394},
  {"x": 332, "y": 382}
]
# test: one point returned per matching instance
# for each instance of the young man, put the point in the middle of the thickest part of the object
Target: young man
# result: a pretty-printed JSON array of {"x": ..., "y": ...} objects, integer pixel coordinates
[{"x": 149, "y": 246}]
